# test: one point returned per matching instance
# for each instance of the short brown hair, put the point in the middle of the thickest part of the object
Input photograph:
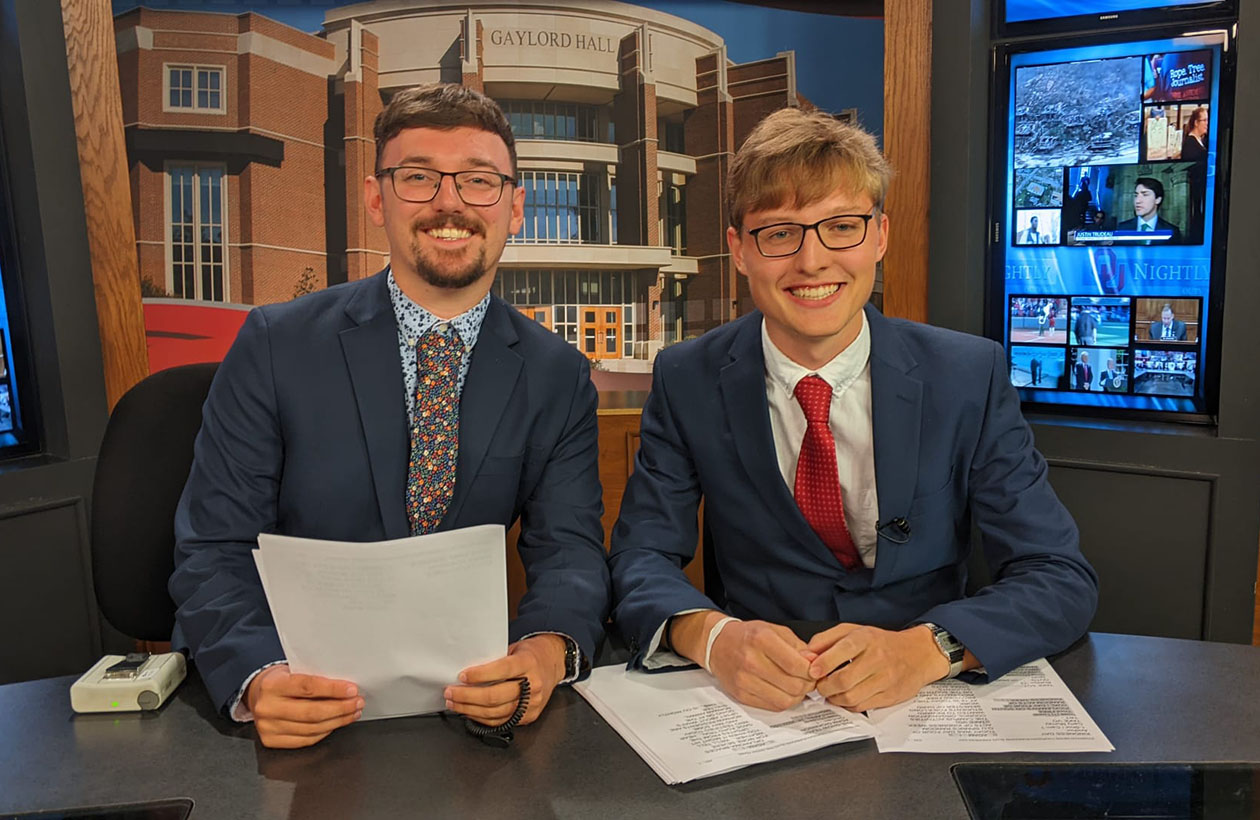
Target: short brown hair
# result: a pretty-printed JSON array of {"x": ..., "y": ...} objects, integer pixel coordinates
[
  {"x": 443, "y": 106},
  {"x": 796, "y": 157}
]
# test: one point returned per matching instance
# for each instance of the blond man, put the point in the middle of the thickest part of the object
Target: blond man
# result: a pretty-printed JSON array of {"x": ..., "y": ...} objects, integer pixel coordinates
[{"x": 843, "y": 459}]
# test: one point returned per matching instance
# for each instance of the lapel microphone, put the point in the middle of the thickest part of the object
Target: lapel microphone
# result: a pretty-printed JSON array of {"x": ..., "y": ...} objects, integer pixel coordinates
[{"x": 896, "y": 530}]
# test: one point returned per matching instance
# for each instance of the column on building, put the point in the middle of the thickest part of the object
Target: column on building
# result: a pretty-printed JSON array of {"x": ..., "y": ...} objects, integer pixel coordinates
[
  {"x": 709, "y": 134},
  {"x": 634, "y": 118},
  {"x": 366, "y": 250},
  {"x": 472, "y": 53}
]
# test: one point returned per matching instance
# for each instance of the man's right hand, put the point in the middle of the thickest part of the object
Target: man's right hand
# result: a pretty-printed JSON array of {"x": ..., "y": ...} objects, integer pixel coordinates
[
  {"x": 759, "y": 664},
  {"x": 291, "y": 711}
]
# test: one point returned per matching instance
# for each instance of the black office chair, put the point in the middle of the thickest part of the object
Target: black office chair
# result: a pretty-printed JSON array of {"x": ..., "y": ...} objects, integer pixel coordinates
[{"x": 140, "y": 473}]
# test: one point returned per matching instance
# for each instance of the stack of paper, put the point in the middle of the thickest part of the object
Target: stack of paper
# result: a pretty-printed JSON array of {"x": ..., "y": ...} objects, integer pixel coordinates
[
  {"x": 399, "y": 619},
  {"x": 686, "y": 728},
  {"x": 1029, "y": 709}
]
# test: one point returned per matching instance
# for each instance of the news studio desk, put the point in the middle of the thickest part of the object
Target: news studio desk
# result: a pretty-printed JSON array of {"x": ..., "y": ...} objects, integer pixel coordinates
[{"x": 1157, "y": 699}]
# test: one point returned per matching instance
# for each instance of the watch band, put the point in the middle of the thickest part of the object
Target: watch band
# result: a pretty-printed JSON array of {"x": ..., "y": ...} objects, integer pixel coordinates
[
  {"x": 950, "y": 647},
  {"x": 570, "y": 658}
]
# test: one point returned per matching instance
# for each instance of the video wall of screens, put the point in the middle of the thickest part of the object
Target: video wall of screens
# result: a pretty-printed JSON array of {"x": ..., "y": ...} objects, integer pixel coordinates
[{"x": 1111, "y": 233}]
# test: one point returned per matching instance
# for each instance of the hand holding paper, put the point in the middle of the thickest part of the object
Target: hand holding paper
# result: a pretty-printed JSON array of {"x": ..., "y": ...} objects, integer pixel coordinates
[
  {"x": 490, "y": 696},
  {"x": 291, "y": 711},
  {"x": 400, "y": 619}
]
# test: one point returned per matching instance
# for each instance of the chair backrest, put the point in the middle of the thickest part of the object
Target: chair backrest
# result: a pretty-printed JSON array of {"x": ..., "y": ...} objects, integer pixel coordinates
[{"x": 140, "y": 473}]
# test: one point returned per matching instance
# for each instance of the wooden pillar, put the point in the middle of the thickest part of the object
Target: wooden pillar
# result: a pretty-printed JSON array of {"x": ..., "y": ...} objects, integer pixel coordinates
[
  {"x": 97, "y": 100},
  {"x": 907, "y": 144}
]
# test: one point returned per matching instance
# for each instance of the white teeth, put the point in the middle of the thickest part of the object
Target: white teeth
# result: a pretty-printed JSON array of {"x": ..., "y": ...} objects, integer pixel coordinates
[
  {"x": 449, "y": 233},
  {"x": 817, "y": 292}
]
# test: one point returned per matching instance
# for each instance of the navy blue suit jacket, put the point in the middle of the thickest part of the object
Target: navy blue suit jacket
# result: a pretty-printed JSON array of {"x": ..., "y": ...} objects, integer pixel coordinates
[
  {"x": 305, "y": 433},
  {"x": 952, "y": 452}
]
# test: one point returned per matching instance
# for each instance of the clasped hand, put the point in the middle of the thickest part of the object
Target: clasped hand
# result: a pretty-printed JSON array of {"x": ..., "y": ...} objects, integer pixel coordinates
[
  {"x": 291, "y": 711},
  {"x": 853, "y": 666}
]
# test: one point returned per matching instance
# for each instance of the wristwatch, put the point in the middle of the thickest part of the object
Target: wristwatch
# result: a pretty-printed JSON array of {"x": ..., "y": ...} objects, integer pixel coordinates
[
  {"x": 571, "y": 666},
  {"x": 950, "y": 648}
]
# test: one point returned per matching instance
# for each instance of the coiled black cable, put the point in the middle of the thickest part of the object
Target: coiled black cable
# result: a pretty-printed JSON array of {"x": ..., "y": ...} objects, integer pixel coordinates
[{"x": 501, "y": 736}]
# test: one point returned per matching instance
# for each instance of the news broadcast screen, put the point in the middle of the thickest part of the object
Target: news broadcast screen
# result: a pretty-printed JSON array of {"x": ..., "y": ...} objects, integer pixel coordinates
[
  {"x": 1107, "y": 223},
  {"x": 8, "y": 411},
  {"x": 1024, "y": 10}
]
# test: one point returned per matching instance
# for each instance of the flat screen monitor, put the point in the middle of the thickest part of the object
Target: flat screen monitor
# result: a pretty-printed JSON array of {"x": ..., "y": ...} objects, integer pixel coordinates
[
  {"x": 1020, "y": 17},
  {"x": 1109, "y": 225},
  {"x": 17, "y": 434}
]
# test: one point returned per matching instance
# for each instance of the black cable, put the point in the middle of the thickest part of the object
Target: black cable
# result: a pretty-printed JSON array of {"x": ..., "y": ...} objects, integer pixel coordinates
[{"x": 501, "y": 736}]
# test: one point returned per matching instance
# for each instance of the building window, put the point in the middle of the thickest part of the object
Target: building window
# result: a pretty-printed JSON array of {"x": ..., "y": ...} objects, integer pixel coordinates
[
  {"x": 671, "y": 136},
  {"x": 194, "y": 88},
  {"x": 535, "y": 120},
  {"x": 675, "y": 211},
  {"x": 561, "y": 208},
  {"x": 197, "y": 247}
]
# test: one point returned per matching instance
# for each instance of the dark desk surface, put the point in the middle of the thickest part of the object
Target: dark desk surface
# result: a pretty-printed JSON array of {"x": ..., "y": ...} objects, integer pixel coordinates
[{"x": 1157, "y": 700}]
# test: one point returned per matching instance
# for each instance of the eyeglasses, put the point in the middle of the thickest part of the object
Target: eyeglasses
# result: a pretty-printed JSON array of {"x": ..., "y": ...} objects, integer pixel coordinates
[
  {"x": 415, "y": 184},
  {"x": 837, "y": 233}
]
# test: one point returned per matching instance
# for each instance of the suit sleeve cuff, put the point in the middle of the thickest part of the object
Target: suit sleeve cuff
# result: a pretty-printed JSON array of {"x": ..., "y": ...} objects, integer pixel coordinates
[
  {"x": 236, "y": 709},
  {"x": 661, "y": 657}
]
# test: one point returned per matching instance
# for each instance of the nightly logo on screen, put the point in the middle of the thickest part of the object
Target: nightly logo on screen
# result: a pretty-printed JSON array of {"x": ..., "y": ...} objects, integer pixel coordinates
[{"x": 1019, "y": 10}]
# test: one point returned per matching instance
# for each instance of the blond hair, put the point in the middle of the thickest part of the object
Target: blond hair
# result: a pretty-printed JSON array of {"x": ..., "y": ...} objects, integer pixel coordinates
[{"x": 794, "y": 158}]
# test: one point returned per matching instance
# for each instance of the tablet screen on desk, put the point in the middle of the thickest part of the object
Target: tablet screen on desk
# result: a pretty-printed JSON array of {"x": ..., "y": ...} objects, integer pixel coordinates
[
  {"x": 1058, "y": 791},
  {"x": 175, "y": 809}
]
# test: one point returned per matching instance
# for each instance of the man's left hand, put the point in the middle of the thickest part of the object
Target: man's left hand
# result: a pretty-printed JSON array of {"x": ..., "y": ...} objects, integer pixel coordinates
[
  {"x": 488, "y": 696},
  {"x": 864, "y": 667}
]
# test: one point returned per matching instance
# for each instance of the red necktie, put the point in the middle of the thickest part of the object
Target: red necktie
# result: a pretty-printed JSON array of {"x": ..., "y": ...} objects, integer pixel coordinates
[{"x": 817, "y": 478}]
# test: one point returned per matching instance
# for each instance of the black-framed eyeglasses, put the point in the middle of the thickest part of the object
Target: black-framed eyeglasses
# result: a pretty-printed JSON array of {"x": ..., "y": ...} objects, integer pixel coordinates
[
  {"x": 415, "y": 184},
  {"x": 837, "y": 233}
]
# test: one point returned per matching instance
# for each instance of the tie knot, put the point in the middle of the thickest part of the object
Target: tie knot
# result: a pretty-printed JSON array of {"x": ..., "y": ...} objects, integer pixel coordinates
[
  {"x": 440, "y": 344},
  {"x": 814, "y": 395}
]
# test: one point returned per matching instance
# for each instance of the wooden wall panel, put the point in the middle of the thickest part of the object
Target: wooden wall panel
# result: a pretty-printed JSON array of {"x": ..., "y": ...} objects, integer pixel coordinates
[
  {"x": 97, "y": 100},
  {"x": 907, "y": 144}
]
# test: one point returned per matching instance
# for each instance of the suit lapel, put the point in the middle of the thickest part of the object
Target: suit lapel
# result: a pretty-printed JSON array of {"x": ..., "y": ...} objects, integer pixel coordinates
[
  {"x": 743, "y": 384},
  {"x": 896, "y": 418},
  {"x": 371, "y": 352},
  {"x": 490, "y": 386}
]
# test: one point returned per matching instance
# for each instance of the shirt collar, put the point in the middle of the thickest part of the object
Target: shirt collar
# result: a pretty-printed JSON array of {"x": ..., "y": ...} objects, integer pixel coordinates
[
  {"x": 839, "y": 373},
  {"x": 414, "y": 320}
]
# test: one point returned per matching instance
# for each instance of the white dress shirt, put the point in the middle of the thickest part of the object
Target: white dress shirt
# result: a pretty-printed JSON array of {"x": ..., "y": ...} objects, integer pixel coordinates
[{"x": 849, "y": 375}]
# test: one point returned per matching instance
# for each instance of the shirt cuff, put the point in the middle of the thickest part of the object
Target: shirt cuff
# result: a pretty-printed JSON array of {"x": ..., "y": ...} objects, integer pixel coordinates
[
  {"x": 581, "y": 664},
  {"x": 237, "y": 710},
  {"x": 659, "y": 657}
]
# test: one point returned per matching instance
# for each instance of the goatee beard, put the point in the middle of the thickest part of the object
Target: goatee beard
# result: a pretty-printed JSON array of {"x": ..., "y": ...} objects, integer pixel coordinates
[{"x": 435, "y": 274}]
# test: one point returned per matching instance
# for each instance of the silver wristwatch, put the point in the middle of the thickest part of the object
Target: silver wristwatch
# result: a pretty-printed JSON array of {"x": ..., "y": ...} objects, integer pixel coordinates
[{"x": 950, "y": 648}]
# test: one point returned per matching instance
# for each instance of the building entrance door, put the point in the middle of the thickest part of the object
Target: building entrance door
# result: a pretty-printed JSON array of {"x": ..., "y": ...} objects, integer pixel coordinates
[
  {"x": 601, "y": 331},
  {"x": 541, "y": 315}
]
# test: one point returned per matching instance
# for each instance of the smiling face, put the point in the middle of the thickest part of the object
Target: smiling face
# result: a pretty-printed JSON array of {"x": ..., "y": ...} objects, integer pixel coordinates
[
  {"x": 812, "y": 300},
  {"x": 445, "y": 244},
  {"x": 1145, "y": 203}
]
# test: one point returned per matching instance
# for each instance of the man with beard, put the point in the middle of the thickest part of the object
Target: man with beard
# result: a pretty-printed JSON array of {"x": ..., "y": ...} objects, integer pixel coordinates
[{"x": 409, "y": 402}]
